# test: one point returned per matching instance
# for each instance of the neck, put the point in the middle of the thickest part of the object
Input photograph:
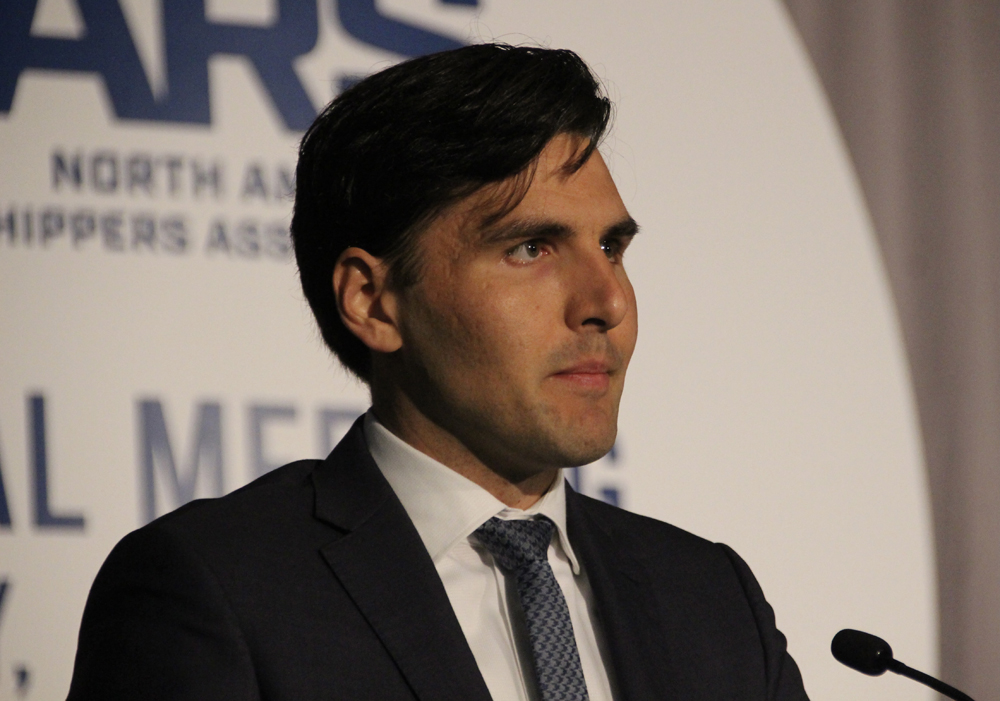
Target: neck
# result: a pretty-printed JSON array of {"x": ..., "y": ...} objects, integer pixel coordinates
[{"x": 394, "y": 411}]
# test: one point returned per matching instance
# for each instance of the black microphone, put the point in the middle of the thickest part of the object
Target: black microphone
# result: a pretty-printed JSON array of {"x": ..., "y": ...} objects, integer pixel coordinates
[{"x": 871, "y": 655}]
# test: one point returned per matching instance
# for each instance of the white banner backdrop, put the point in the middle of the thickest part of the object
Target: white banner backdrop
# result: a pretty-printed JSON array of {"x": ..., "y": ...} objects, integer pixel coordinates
[{"x": 155, "y": 345}]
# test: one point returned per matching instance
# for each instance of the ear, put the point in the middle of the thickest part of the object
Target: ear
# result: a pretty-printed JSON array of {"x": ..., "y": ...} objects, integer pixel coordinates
[{"x": 366, "y": 305}]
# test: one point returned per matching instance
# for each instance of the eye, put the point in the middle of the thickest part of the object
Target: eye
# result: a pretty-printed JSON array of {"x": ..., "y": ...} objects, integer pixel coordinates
[
  {"x": 613, "y": 248},
  {"x": 526, "y": 252}
]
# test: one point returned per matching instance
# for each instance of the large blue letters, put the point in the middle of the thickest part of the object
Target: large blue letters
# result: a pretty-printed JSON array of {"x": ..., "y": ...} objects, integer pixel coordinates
[
  {"x": 4, "y": 508},
  {"x": 107, "y": 49},
  {"x": 258, "y": 416},
  {"x": 44, "y": 516},
  {"x": 362, "y": 20},
  {"x": 191, "y": 40},
  {"x": 155, "y": 450},
  {"x": 3, "y": 591}
]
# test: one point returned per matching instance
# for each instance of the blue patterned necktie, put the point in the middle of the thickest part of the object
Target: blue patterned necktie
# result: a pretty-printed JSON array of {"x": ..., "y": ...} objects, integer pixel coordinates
[{"x": 521, "y": 548}]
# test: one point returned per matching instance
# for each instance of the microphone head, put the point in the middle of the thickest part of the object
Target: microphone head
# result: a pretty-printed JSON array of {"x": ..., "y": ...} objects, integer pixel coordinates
[{"x": 864, "y": 652}]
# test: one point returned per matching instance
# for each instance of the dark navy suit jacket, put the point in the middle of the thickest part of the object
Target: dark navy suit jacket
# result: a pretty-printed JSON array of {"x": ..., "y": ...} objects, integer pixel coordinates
[{"x": 312, "y": 583}]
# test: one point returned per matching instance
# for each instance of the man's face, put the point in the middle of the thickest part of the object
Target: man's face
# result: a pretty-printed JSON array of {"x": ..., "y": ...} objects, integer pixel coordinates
[{"x": 518, "y": 334}]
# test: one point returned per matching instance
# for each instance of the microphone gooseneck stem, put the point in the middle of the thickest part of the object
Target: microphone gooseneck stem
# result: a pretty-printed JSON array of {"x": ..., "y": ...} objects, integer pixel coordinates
[{"x": 938, "y": 686}]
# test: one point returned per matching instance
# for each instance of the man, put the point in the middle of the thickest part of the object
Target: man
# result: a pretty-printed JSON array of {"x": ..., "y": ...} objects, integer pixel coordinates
[{"x": 461, "y": 243}]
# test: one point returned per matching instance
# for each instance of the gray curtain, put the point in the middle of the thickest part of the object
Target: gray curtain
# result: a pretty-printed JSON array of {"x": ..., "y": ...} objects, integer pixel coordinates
[{"x": 915, "y": 86}]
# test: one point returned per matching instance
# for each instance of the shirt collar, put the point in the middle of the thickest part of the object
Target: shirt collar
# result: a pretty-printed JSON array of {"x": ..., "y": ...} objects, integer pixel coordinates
[{"x": 446, "y": 507}]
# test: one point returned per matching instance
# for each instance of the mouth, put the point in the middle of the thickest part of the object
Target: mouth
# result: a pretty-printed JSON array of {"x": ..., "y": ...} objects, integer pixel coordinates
[{"x": 590, "y": 375}]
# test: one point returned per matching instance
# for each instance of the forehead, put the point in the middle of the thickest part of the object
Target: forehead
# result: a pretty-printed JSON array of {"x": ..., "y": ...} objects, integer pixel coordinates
[{"x": 556, "y": 188}]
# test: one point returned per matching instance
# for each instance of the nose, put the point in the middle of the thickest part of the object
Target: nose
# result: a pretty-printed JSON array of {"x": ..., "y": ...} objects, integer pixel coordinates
[{"x": 599, "y": 292}]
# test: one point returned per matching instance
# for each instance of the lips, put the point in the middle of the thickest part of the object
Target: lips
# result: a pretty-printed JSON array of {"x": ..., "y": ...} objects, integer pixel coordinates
[
  {"x": 596, "y": 367},
  {"x": 587, "y": 375}
]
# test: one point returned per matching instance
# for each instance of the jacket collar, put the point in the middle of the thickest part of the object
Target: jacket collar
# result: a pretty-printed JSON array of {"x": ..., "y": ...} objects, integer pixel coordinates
[
  {"x": 620, "y": 585},
  {"x": 384, "y": 567},
  {"x": 446, "y": 507}
]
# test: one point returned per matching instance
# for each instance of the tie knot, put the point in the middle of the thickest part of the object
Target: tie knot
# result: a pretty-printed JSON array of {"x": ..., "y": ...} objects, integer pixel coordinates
[{"x": 515, "y": 544}]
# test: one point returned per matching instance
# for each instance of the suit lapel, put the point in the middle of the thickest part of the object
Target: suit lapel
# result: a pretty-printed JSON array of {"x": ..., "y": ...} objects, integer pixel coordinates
[
  {"x": 385, "y": 569},
  {"x": 620, "y": 586}
]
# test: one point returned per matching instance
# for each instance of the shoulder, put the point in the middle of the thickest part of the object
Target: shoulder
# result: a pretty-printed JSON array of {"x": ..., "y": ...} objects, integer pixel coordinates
[
  {"x": 645, "y": 537},
  {"x": 222, "y": 536},
  {"x": 669, "y": 554},
  {"x": 282, "y": 491},
  {"x": 693, "y": 584},
  {"x": 172, "y": 605}
]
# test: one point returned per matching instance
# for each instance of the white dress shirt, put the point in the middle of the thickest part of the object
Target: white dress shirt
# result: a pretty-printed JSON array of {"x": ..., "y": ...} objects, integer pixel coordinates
[{"x": 446, "y": 508}]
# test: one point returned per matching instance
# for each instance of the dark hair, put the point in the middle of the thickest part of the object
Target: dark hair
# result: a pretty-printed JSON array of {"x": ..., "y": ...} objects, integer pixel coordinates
[{"x": 389, "y": 154}]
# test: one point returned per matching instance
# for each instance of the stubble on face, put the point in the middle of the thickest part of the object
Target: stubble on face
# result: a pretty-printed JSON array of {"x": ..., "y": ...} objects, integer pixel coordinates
[{"x": 518, "y": 368}]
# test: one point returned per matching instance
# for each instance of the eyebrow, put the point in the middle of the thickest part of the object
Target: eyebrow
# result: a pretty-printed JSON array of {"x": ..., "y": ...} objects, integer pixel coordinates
[
  {"x": 524, "y": 229},
  {"x": 626, "y": 228}
]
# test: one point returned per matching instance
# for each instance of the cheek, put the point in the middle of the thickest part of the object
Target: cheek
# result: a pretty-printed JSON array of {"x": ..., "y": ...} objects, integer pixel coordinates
[
  {"x": 497, "y": 324},
  {"x": 457, "y": 332},
  {"x": 501, "y": 332},
  {"x": 629, "y": 328}
]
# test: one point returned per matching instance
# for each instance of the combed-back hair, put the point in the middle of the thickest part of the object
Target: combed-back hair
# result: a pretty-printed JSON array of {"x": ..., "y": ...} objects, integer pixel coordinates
[{"x": 389, "y": 154}]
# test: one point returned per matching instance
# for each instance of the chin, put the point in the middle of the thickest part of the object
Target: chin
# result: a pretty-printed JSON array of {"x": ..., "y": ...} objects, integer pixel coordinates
[
  {"x": 558, "y": 434},
  {"x": 586, "y": 457},
  {"x": 580, "y": 446}
]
